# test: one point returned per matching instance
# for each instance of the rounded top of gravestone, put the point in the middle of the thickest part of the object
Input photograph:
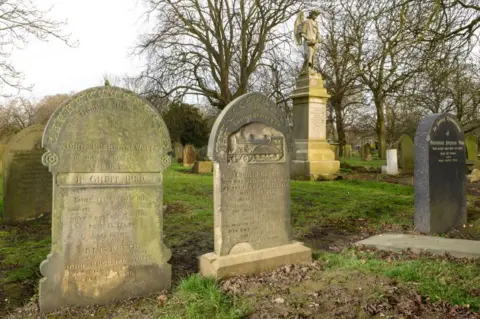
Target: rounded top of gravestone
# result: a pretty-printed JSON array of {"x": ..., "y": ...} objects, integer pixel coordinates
[
  {"x": 248, "y": 108},
  {"x": 430, "y": 125},
  {"x": 27, "y": 138},
  {"x": 104, "y": 124}
]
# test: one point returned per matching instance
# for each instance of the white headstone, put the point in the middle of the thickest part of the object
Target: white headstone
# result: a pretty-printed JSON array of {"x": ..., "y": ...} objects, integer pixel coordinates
[{"x": 392, "y": 162}]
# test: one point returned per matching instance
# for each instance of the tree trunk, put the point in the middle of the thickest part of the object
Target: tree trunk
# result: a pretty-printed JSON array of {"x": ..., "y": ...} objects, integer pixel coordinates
[
  {"x": 381, "y": 131},
  {"x": 337, "y": 106}
]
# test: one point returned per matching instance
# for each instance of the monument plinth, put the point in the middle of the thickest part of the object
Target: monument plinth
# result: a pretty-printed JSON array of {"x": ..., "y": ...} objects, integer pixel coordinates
[{"x": 313, "y": 156}]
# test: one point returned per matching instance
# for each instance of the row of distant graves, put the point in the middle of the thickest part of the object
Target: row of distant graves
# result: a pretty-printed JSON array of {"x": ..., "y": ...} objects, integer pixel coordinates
[
  {"x": 404, "y": 154},
  {"x": 98, "y": 168}
]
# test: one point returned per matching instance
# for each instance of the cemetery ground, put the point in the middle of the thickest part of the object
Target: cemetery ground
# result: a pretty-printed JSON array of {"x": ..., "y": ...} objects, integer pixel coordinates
[{"x": 343, "y": 281}]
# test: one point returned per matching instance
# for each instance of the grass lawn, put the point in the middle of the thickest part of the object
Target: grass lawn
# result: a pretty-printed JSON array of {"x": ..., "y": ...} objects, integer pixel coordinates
[
  {"x": 356, "y": 161},
  {"x": 327, "y": 216}
]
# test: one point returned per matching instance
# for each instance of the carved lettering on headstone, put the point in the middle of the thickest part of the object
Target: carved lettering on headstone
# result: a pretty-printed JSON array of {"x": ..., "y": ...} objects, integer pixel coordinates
[
  {"x": 440, "y": 174},
  {"x": 250, "y": 146},
  {"x": 106, "y": 149}
]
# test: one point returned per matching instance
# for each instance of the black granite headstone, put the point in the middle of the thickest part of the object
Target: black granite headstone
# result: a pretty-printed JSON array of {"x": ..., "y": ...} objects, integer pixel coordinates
[{"x": 440, "y": 174}]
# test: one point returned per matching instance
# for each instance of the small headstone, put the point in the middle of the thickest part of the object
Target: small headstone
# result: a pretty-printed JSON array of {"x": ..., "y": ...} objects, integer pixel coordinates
[
  {"x": 250, "y": 146},
  {"x": 471, "y": 144},
  {"x": 202, "y": 153},
  {"x": 392, "y": 165},
  {"x": 106, "y": 149},
  {"x": 202, "y": 167},
  {"x": 440, "y": 174},
  {"x": 27, "y": 184},
  {"x": 178, "y": 150},
  {"x": 406, "y": 153},
  {"x": 367, "y": 152},
  {"x": 189, "y": 155}
]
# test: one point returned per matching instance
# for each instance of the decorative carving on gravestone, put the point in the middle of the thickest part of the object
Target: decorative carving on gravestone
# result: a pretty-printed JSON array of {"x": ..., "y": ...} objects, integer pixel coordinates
[
  {"x": 106, "y": 150},
  {"x": 405, "y": 153},
  {"x": 27, "y": 185},
  {"x": 189, "y": 155},
  {"x": 250, "y": 146},
  {"x": 178, "y": 150},
  {"x": 367, "y": 152},
  {"x": 440, "y": 174}
]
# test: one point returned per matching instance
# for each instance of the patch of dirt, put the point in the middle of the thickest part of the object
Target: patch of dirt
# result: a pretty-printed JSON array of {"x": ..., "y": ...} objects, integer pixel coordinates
[
  {"x": 306, "y": 291},
  {"x": 184, "y": 258},
  {"x": 175, "y": 208},
  {"x": 331, "y": 238}
]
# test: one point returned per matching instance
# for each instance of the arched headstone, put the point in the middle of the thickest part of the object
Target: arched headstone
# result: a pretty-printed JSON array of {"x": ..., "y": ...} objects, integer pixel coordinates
[
  {"x": 367, "y": 152},
  {"x": 471, "y": 142},
  {"x": 440, "y": 174},
  {"x": 250, "y": 146},
  {"x": 106, "y": 150},
  {"x": 27, "y": 185},
  {"x": 405, "y": 153},
  {"x": 189, "y": 155},
  {"x": 178, "y": 150}
]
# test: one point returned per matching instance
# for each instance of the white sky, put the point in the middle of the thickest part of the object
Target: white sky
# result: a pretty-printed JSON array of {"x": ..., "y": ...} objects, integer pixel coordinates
[{"x": 107, "y": 31}]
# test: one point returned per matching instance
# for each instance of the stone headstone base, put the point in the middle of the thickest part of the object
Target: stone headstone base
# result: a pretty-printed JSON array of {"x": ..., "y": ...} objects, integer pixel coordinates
[
  {"x": 202, "y": 167},
  {"x": 254, "y": 262},
  {"x": 315, "y": 169},
  {"x": 436, "y": 245}
]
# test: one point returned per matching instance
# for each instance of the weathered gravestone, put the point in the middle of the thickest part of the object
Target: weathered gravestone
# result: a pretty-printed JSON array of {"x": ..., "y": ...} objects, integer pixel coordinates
[
  {"x": 106, "y": 149},
  {"x": 367, "y": 152},
  {"x": 178, "y": 150},
  {"x": 250, "y": 146},
  {"x": 405, "y": 154},
  {"x": 392, "y": 163},
  {"x": 27, "y": 185},
  {"x": 440, "y": 174},
  {"x": 201, "y": 167},
  {"x": 471, "y": 144},
  {"x": 3, "y": 148},
  {"x": 189, "y": 155},
  {"x": 347, "y": 151}
]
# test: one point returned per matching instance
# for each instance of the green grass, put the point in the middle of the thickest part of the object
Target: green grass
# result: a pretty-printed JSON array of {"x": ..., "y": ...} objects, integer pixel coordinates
[
  {"x": 345, "y": 206},
  {"x": 438, "y": 279},
  {"x": 356, "y": 161},
  {"x": 198, "y": 298}
]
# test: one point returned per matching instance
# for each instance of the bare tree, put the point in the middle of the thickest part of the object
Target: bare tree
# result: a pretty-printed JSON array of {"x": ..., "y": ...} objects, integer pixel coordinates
[
  {"x": 213, "y": 48},
  {"x": 337, "y": 65},
  {"x": 19, "y": 21}
]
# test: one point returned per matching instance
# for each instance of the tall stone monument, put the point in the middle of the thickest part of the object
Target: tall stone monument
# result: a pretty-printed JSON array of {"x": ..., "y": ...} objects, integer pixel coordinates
[
  {"x": 27, "y": 185},
  {"x": 250, "y": 146},
  {"x": 313, "y": 156},
  {"x": 440, "y": 175},
  {"x": 106, "y": 150}
]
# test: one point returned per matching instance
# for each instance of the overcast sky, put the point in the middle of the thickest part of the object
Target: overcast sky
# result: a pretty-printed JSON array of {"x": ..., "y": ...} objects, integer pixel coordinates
[{"x": 107, "y": 31}]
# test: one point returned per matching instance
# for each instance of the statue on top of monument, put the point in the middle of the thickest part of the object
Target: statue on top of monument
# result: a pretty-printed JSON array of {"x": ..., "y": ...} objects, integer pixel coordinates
[{"x": 306, "y": 32}]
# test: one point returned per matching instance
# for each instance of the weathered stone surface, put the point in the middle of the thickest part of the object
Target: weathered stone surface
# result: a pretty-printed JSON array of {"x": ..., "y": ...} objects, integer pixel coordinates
[
  {"x": 392, "y": 165},
  {"x": 460, "y": 248},
  {"x": 440, "y": 174},
  {"x": 189, "y": 155},
  {"x": 336, "y": 150},
  {"x": 366, "y": 152},
  {"x": 471, "y": 144},
  {"x": 106, "y": 149},
  {"x": 27, "y": 185},
  {"x": 250, "y": 146},
  {"x": 405, "y": 153},
  {"x": 313, "y": 157},
  {"x": 202, "y": 167},
  {"x": 178, "y": 150},
  {"x": 347, "y": 151}
]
